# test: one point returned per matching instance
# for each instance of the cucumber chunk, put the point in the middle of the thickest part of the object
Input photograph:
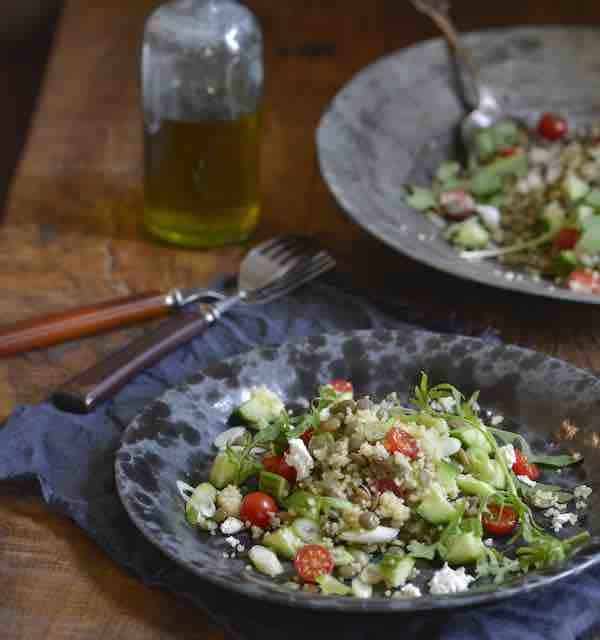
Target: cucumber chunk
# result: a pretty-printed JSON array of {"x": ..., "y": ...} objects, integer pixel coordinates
[
  {"x": 435, "y": 507},
  {"x": 265, "y": 561},
  {"x": 361, "y": 589},
  {"x": 307, "y": 530},
  {"x": 473, "y": 487},
  {"x": 447, "y": 473},
  {"x": 470, "y": 234},
  {"x": 465, "y": 548},
  {"x": 303, "y": 503},
  {"x": 273, "y": 484},
  {"x": 484, "y": 468},
  {"x": 201, "y": 505},
  {"x": 262, "y": 407},
  {"x": 575, "y": 188},
  {"x": 224, "y": 471},
  {"x": 396, "y": 569},
  {"x": 284, "y": 542},
  {"x": 341, "y": 556},
  {"x": 472, "y": 437},
  {"x": 331, "y": 586}
]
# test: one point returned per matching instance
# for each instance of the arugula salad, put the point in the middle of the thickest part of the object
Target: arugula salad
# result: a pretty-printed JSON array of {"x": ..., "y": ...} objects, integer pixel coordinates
[
  {"x": 530, "y": 199},
  {"x": 362, "y": 495}
]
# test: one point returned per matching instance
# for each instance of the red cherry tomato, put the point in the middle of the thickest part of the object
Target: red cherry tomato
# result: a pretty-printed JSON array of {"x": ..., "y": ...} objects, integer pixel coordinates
[
  {"x": 552, "y": 126},
  {"x": 307, "y": 435},
  {"x": 500, "y": 521},
  {"x": 387, "y": 484},
  {"x": 257, "y": 508},
  {"x": 342, "y": 386},
  {"x": 398, "y": 440},
  {"x": 566, "y": 238},
  {"x": 522, "y": 466},
  {"x": 584, "y": 281},
  {"x": 457, "y": 204},
  {"x": 278, "y": 465},
  {"x": 510, "y": 151},
  {"x": 312, "y": 561}
]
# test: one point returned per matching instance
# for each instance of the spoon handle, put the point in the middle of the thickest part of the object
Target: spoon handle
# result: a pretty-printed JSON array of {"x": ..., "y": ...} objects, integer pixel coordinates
[{"x": 439, "y": 12}]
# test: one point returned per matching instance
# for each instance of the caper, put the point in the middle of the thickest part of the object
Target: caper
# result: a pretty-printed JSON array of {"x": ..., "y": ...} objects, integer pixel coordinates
[
  {"x": 368, "y": 520},
  {"x": 330, "y": 425}
]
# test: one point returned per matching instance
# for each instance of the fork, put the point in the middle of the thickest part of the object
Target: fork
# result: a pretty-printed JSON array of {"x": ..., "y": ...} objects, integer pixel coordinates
[{"x": 269, "y": 271}]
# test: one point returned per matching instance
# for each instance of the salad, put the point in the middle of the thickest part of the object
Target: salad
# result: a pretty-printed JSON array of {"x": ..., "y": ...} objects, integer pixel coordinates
[
  {"x": 530, "y": 199},
  {"x": 361, "y": 496}
]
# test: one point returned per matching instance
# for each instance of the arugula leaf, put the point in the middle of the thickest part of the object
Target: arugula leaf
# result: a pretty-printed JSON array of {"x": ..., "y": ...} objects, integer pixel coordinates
[
  {"x": 420, "y": 198},
  {"x": 555, "y": 461},
  {"x": 496, "y": 565}
]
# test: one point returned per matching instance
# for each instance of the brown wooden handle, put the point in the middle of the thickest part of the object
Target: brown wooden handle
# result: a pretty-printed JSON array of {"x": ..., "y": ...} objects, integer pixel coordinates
[
  {"x": 83, "y": 393},
  {"x": 83, "y": 321}
]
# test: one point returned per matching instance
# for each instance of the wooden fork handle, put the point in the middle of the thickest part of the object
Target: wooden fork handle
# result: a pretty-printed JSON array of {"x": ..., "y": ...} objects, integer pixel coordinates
[
  {"x": 83, "y": 321},
  {"x": 84, "y": 392}
]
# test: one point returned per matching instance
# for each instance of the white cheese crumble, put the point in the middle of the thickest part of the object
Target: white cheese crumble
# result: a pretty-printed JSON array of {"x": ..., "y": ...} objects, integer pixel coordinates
[
  {"x": 229, "y": 500},
  {"x": 299, "y": 457},
  {"x": 509, "y": 455},
  {"x": 580, "y": 505},
  {"x": 231, "y": 525},
  {"x": 447, "y": 580},
  {"x": 232, "y": 542},
  {"x": 488, "y": 542},
  {"x": 544, "y": 499},
  {"x": 582, "y": 492},
  {"x": 490, "y": 216},
  {"x": 408, "y": 591},
  {"x": 496, "y": 420},
  {"x": 560, "y": 519},
  {"x": 527, "y": 480}
]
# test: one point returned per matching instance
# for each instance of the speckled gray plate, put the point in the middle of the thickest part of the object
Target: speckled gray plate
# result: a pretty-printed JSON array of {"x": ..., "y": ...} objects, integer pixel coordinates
[
  {"x": 397, "y": 120},
  {"x": 172, "y": 439}
]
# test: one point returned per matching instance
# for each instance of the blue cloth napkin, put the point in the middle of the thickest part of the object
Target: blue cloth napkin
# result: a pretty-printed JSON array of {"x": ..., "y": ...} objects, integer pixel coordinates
[{"x": 72, "y": 457}]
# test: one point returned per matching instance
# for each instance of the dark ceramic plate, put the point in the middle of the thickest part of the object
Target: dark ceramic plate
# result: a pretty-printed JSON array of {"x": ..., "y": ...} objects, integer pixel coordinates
[
  {"x": 172, "y": 439},
  {"x": 397, "y": 120}
]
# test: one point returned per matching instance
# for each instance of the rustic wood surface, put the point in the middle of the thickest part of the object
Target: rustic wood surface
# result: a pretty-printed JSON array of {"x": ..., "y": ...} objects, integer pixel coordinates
[{"x": 72, "y": 235}]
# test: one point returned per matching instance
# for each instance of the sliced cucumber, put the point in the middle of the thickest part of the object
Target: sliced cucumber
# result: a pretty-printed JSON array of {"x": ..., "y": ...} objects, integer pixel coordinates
[
  {"x": 465, "y": 548},
  {"x": 473, "y": 487},
  {"x": 575, "y": 188},
  {"x": 473, "y": 438},
  {"x": 341, "y": 556},
  {"x": 265, "y": 561},
  {"x": 201, "y": 504},
  {"x": 331, "y": 586},
  {"x": 396, "y": 569},
  {"x": 273, "y": 484},
  {"x": 307, "y": 529},
  {"x": 339, "y": 504},
  {"x": 447, "y": 473},
  {"x": 435, "y": 507},
  {"x": 224, "y": 471},
  {"x": 379, "y": 535},
  {"x": 304, "y": 504},
  {"x": 262, "y": 407},
  {"x": 470, "y": 234},
  {"x": 484, "y": 468},
  {"x": 284, "y": 542}
]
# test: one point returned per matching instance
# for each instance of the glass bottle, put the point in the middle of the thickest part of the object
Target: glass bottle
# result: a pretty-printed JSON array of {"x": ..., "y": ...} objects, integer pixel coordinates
[{"x": 202, "y": 82}]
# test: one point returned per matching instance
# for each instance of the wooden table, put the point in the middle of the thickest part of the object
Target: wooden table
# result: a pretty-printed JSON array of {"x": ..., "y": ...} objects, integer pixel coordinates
[{"x": 72, "y": 235}]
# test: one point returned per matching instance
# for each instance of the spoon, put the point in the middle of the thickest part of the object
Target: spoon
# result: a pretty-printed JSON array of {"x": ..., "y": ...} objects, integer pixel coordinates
[{"x": 483, "y": 107}]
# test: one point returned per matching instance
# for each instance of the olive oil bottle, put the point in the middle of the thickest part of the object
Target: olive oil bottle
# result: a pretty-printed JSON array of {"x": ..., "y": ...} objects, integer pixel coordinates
[{"x": 202, "y": 90}]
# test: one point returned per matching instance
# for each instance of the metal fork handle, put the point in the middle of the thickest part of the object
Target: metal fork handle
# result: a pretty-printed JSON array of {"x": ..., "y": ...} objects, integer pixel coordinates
[{"x": 468, "y": 74}]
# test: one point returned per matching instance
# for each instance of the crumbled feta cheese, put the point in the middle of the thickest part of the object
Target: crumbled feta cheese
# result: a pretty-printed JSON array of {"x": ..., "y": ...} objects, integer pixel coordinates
[
  {"x": 582, "y": 492},
  {"x": 229, "y": 437},
  {"x": 299, "y": 457},
  {"x": 544, "y": 499},
  {"x": 580, "y": 505},
  {"x": 496, "y": 420},
  {"x": 231, "y": 525},
  {"x": 232, "y": 542},
  {"x": 229, "y": 500},
  {"x": 490, "y": 216},
  {"x": 255, "y": 531},
  {"x": 447, "y": 580},
  {"x": 265, "y": 561},
  {"x": 527, "y": 480},
  {"x": 393, "y": 507},
  {"x": 408, "y": 591},
  {"x": 488, "y": 542},
  {"x": 560, "y": 519},
  {"x": 509, "y": 455}
]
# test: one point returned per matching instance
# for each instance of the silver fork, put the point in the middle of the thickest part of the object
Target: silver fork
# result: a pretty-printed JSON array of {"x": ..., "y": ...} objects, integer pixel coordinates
[{"x": 269, "y": 271}]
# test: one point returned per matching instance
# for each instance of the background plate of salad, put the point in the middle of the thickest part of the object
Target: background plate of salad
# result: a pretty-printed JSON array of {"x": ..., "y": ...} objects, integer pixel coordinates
[
  {"x": 523, "y": 211},
  {"x": 334, "y": 474}
]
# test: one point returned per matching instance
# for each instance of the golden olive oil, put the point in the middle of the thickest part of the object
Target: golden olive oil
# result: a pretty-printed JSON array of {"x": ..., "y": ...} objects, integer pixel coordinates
[{"x": 202, "y": 181}]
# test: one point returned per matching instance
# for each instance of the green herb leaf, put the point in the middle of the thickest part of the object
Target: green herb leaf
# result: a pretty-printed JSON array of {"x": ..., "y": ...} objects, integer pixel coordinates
[
  {"x": 509, "y": 437},
  {"x": 420, "y": 198},
  {"x": 555, "y": 461}
]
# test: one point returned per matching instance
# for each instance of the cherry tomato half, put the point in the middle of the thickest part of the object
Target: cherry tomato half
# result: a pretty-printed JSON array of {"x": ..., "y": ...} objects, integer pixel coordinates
[
  {"x": 278, "y": 465},
  {"x": 387, "y": 484},
  {"x": 500, "y": 521},
  {"x": 342, "y": 386},
  {"x": 584, "y": 281},
  {"x": 552, "y": 126},
  {"x": 398, "y": 440},
  {"x": 566, "y": 238},
  {"x": 312, "y": 561},
  {"x": 307, "y": 435},
  {"x": 522, "y": 466},
  {"x": 457, "y": 204},
  {"x": 257, "y": 508}
]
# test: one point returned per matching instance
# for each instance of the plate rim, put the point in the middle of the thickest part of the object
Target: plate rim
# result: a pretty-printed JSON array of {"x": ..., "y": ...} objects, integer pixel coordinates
[
  {"x": 339, "y": 604},
  {"x": 327, "y": 123}
]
